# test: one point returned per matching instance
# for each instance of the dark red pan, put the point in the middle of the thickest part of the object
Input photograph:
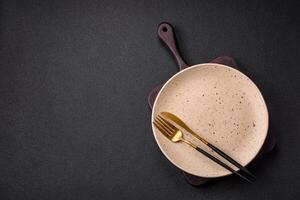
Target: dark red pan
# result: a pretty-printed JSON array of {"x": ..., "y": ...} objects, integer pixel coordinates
[{"x": 167, "y": 35}]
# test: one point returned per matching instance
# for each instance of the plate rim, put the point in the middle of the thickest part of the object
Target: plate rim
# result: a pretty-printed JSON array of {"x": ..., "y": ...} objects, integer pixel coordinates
[{"x": 190, "y": 68}]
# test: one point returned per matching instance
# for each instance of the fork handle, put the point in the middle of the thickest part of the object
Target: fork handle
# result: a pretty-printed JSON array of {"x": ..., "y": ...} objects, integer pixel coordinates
[
  {"x": 228, "y": 158},
  {"x": 222, "y": 164}
]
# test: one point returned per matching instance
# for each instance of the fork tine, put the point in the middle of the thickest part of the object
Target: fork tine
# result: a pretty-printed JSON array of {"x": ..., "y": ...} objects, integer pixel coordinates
[
  {"x": 164, "y": 126},
  {"x": 165, "y": 133},
  {"x": 168, "y": 123}
]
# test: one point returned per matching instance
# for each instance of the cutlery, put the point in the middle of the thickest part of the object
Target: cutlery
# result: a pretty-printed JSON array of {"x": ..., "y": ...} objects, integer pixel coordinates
[
  {"x": 175, "y": 135},
  {"x": 178, "y": 121}
]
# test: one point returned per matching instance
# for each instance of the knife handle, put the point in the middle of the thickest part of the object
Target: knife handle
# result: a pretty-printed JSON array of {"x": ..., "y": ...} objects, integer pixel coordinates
[
  {"x": 216, "y": 160},
  {"x": 229, "y": 159}
]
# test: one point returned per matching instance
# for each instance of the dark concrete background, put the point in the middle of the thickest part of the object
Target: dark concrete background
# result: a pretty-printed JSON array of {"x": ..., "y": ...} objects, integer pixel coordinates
[{"x": 74, "y": 77}]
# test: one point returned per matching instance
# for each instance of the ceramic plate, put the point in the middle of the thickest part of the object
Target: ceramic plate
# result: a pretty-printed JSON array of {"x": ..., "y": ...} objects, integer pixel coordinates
[{"x": 222, "y": 105}]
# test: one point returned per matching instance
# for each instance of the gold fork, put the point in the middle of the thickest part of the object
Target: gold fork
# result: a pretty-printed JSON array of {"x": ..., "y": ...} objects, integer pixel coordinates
[{"x": 175, "y": 135}]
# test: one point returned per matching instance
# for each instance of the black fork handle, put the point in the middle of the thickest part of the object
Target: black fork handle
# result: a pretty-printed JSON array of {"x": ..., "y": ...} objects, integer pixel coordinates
[
  {"x": 222, "y": 164},
  {"x": 228, "y": 158}
]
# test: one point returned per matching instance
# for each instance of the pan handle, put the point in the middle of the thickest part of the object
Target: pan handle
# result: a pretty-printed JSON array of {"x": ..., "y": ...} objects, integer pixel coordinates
[{"x": 166, "y": 34}]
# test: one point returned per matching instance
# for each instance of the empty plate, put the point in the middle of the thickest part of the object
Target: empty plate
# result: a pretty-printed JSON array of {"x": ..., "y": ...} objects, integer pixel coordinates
[{"x": 220, "y": 104}]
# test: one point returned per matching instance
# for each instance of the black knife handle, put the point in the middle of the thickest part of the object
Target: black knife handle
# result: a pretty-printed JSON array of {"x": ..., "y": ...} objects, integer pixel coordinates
[
  {"x": 228, "y": 158},
  {"x": 222, "y": 164}
]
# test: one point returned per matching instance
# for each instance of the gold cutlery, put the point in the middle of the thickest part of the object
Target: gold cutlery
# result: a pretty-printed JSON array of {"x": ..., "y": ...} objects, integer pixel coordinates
[
  {"x": 175, "y": 135},
  {"x": 179, "y": 122}
]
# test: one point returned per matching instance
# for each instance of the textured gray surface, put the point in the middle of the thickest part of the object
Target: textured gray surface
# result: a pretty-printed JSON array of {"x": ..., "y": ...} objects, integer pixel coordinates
[{"x": 74, "y": 79}]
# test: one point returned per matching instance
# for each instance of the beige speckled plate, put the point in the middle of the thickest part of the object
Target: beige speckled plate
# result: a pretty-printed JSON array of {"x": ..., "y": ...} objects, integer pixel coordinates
[{"x": 221, "y": 104}]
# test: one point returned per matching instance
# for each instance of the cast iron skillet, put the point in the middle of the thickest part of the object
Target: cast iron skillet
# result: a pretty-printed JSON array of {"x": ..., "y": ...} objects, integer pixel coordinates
[{"x": 166, "y": 34}]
